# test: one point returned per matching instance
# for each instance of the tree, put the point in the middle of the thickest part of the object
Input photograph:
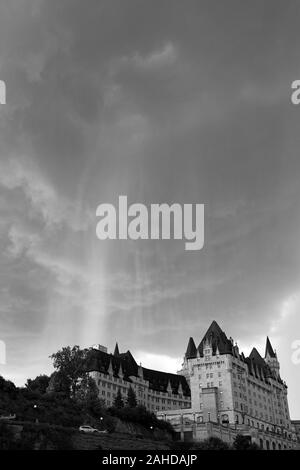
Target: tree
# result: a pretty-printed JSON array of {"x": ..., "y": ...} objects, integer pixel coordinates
[
  {"x": 8, "y": 396},
  {"x": 70, "y": 362},
  {"x": 39, "y": 384},
  {"x": 131, "y": 398},
  {"x": 244, "y": 443},
  {"x": 118, "y": 401},
  {"x": 7, "y": 387},
  {"x": 87, "y": 390},
  {"x": 87, "y": 396},
  {"x": 59, "y": 384}
]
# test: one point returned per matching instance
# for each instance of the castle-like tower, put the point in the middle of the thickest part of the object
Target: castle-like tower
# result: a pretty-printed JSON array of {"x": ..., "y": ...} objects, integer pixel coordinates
[
  {"x": 271, "y": 359},
  {"x": 217, "y": 392},
  {"x": 230, "y": 389}
]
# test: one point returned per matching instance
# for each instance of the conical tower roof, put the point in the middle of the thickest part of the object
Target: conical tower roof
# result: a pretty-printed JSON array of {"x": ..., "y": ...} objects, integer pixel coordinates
[
  {"x": 116, "y": 351},
  {"x": 269, "y": 350},
  {"x": 191, "y": 350}
]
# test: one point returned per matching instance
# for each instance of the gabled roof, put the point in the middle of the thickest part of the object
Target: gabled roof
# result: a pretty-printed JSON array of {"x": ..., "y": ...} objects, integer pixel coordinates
[
  {"x": 218, "y": 339},
  {"x": 269, "y": 350}
]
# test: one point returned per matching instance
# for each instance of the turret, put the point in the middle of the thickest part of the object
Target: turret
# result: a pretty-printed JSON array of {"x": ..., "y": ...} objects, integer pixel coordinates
[
  {"x": 271, "y": 358},
  {"x": 116, "y": 351},
  {"x": 191, "y": 350}
]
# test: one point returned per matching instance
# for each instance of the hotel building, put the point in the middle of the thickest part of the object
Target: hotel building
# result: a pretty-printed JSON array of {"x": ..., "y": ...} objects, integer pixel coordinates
[
  {"x": 157, "y": 391},
  {"x": 232, "y": 392},
  {"x": 218, "y": 392}
]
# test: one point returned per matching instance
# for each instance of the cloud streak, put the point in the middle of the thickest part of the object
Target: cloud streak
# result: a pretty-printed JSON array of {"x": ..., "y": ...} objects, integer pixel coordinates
[{"x": 188, "y": 104}]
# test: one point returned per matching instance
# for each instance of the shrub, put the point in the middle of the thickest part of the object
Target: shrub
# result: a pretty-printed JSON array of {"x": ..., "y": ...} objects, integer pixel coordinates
[
  {"x": 212, "y": 443},
  {"x": 244, "y": 443}
]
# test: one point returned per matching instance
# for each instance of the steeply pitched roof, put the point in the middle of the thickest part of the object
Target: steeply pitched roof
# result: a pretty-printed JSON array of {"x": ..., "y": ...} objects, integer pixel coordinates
[
  {"x": 256, "y": 357},
  {"x": 159, "y": 381},
  {"x": 218, "y": 339},
  {"x": 116, "y": 351},
  {"x": 269, "y": 349},
  {"x": 191, "y": 350},
  {"x": 100, "y": 361},
  {"x": 258, "y": 367}
]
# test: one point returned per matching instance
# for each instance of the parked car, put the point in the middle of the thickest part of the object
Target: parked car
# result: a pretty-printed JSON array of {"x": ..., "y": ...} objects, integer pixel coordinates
[{"x": 88, "y": 429}]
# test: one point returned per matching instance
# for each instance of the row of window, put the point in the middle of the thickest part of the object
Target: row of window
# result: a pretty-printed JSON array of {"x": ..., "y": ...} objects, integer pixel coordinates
[
  {"x": 210, "y": 375},
  {"x": 109, "y": 385}
]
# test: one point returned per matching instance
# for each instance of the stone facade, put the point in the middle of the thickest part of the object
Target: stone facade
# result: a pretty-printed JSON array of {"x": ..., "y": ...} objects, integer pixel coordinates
[
  {"x": 157, "y": 391},
  {"x": 296, "y": 426},
  {"x": 230, "y": 391}
]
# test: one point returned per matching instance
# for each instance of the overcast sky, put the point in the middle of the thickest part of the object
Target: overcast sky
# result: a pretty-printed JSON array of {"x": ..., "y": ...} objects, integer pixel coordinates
[{"x": 163, "y": 101}]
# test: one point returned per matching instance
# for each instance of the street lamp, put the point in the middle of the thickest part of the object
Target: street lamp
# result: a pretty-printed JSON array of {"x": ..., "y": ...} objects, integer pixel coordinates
[{"x": 35, "y": 407}]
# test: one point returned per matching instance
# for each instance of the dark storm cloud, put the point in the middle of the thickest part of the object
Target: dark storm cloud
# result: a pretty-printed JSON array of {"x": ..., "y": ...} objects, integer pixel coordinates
[{"x": 165, "y": 102}]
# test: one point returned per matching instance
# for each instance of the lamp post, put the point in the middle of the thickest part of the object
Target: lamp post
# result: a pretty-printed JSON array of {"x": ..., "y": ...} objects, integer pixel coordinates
[{"x": 35, "y": 407}]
